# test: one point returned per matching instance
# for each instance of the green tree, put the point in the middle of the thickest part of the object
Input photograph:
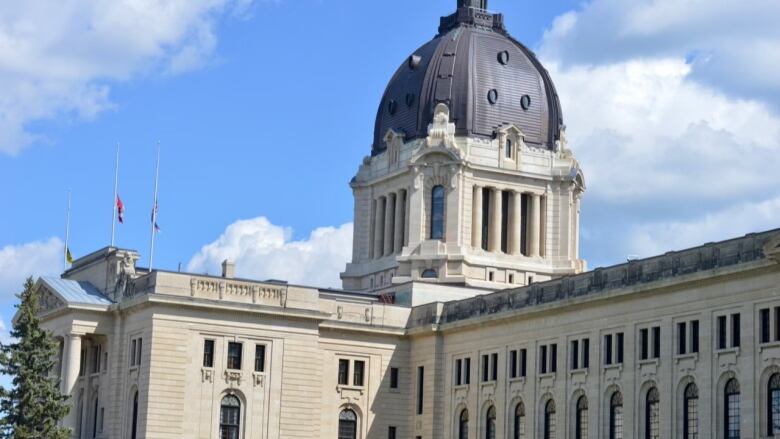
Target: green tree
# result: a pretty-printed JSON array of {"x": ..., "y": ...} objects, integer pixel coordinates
[{"x": 33, "y": 406}]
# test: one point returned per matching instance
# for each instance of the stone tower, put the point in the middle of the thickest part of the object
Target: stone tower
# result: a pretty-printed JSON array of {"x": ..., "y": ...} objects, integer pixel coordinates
[{"x": 470, "y": 181}]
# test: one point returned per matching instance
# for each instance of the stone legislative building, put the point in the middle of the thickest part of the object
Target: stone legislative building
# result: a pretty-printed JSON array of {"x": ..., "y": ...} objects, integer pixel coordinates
[{"x": 466, "y": 311}]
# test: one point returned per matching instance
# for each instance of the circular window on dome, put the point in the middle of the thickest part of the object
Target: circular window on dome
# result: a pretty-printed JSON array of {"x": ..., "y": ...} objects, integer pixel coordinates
[
  {"x": 409, "y": 99},
  {"x": 392, "y": 106},
  {"x": 414, "y": 61},
  {"x": 493, "y": 96},
  {"x": 503, "y": 57},
  {"x": 525, "y": 102}
]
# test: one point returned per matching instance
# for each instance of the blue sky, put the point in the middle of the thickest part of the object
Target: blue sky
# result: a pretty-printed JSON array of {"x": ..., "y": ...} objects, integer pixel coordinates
[{"x": 264, "y": 109}]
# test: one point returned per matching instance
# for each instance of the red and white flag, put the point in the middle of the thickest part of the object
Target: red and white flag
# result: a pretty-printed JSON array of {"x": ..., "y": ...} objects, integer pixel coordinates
[{"x": 120, "y": 210}]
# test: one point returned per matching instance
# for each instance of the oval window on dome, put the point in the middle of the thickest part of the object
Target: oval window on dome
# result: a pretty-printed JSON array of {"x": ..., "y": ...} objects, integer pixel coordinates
[
  {"x": 409, "y": 99},
  {"x": 414, "y": 61},
  {"x": 503, "y": 57},
  {"x": 493, "y": 96},
  {"x": 392, "y": 106},
  {"x": 525, "y": 102}
]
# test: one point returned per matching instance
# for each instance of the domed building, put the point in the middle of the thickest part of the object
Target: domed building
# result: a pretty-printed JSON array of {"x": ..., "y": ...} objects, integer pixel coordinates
[
  {"x": 470, "y": 181},
  {"x": 466, "y": 310}
]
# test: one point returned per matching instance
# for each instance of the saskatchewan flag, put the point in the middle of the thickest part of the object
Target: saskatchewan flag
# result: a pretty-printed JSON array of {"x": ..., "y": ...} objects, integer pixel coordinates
[{"x": 68, "y": 256}]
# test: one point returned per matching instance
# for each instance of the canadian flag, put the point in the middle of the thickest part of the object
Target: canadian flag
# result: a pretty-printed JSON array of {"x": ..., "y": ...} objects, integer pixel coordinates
[{"x": 120, "y": 210}]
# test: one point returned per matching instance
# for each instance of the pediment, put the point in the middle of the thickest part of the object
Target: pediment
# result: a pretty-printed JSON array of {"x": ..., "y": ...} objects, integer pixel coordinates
[{"x": 49, "y": 300}]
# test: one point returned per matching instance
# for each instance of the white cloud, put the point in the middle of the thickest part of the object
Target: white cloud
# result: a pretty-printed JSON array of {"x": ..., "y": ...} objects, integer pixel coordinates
[
  {"x": 18, "y": 262},
  {"x": 262, "y": 250},
  {"x": 59, "y": 58}
]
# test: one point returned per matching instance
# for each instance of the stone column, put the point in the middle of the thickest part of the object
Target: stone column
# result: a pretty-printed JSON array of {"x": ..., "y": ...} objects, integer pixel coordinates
[
  {"x": 70, "y": 374},
  {"x": 515, "y": 223},
  {"x": 389, "y": 223},
  {"x": 379, "y": 227},
  {"x": 495, "y": 220},
  {"x": 535, "y": 224},
  {"x": 400, "y": 204},
  {"x": 476, "y": 218}
]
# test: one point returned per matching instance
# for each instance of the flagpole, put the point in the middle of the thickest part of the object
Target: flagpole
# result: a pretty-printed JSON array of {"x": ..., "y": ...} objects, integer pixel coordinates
[
  {"x": 67, "y": 229},
  {"x": 116, "y": 193},
  {"x": 154, "y": 208}
]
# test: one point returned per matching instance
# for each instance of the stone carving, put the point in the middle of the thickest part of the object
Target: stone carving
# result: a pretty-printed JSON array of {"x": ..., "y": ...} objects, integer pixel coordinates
[
  {"x": 441, "y": 132},
  {"x": 207, "y": 375},
  {"x": 233, "y": 376},
  {"x": 126, "y": 274},
  {"x": 259, "y": 379},
  {"x": 49, "y": 301}
]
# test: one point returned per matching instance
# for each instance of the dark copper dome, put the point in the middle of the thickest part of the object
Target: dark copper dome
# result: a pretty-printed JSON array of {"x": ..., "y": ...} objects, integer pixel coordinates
[{"x": 486, "y": 78}]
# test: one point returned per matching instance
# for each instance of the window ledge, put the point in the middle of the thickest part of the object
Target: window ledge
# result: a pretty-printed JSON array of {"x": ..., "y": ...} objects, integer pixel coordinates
[
  {"x": 580, "y": 371},
  {"x": 488, "y": 384},
  {"x": 461, "y": 386},
  {"x": 547, "y": 375},
  {"x": 682, "y": 357},
  {"x": 207, "y": 374},
  {"x": 341, "y": 387},
  {"x": 518, "y": 380},
  {"x": 655, "y": 361},
  {"x": 771, "y": 345},
  {"x": 725, "y": 351}
]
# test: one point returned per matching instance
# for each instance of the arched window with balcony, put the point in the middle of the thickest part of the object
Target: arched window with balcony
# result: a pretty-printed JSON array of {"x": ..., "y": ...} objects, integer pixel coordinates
[
  {"x": 519, "y": 423},
  {"x": 230, "y": 417},
  {"x": 616, "y": 416},
  {"x": 437, "y": 212},
  {"x": 773, "y": 405},
  {"x": 490, "y": 423},
  {"x": 731, "y": 407},
  {"x": 549, "y": 420},
  {"x": 581, "y": 418},
  {"x": 347, "y": 424},
  {"x": 691, "y": 414},
  {"x": 463, "y": 425},
  {"x": 653, "y": 415}
]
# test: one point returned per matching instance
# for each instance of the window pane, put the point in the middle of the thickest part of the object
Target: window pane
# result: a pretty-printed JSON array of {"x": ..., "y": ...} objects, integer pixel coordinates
[
  {"x": 681, "y": 338},
  {"x": 347, "y": 425},
  {"x": 765, "y": 325},
  {"x": 722, "y": 332},
  {"x": 644, "y": 343},
  {"x": 616, "y": 417},
  {"x": 357, "y": 379},
  {"x": 393, "y": 377},
  {"x": 485, "y": 365},
  {"x": 575, "y": 353},
  {"x": 420, "y": 383},
  {"x": 586, "y": 353},
  {"x": 208, "y": 353},
  {"x": 735, "y": 331},
  {"x": 656, "y": 342},
  {"x": 437, "y": 212},
  {"x": 493, "y": 367},
  {"x": 260, "y": 358},
  {"x": 608, "y": 349},
  {"x": 343, "y": 372},
  {"x": 543, "y": 359},
  {"x": 234, "y": 356},
  {"x": 513, "y": 364},
  {"x": 620, "y": 348},
  {"x": 653, "y": 415},
  {"x": 553, "y": 358},
  {"x": 691, "y": 421},
  {"x": 523, "y": 362},
  {"x": 732, "y": 408},
  {"x": 467, "y": 371},
  {"x": 695, "y": 336}
]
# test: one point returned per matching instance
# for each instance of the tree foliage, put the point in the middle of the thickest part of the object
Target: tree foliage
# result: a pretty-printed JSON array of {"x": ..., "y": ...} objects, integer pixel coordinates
[{"x": 33, "y": 407}]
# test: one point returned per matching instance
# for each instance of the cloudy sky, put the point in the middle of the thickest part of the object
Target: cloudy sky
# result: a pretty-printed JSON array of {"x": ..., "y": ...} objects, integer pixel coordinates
[{"x": 265, "y": 108}]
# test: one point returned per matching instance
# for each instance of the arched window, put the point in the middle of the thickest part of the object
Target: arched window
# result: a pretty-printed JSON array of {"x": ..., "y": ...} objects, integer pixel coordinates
[
  {"x": 463, "y": 425},
  {"x": 437, "y": 212},
  {"x": 229, "y": 417},
  {"x": 653, "y": 415},
  {"x": 581, "y": 419},
  {"x": 731, "y": 416},
  {"x": 691, "y": 407},
  {"x": 347, "y": 424},
  {"x": 490, "y": 423},
  {"x": 134, "y": 426},
  {"x": 616, "y": 416},
  {"x": 549, "y": 420},
  {"x": 519, "y": 424},
  {"x": 774, "y": 405},
  {"x": 429, "y": 274}
]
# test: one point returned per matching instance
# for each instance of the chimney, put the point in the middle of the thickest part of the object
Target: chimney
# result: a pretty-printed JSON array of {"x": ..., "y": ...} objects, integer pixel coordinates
[{"x": 228, "y": 269}]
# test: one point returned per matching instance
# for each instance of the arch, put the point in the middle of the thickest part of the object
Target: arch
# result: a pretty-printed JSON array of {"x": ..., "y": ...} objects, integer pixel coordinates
[
  {"x": 463, "y": 424},
  {"x": 652, "y": 414},
  {"x": 615, "y": 415},
  {"x": 549, "y": 421},
  {"x": 438, "y": 195},
  {"x": 581, "y": 418},
  {"x": 490, "y": 423},
  {"x": 429, "y": 274},
  {"x": 348, "y": 424},
  {"x": 230, "y": 417},
  {"x": 690, "y": 408},
  {"x": 773, "y": 405},
  {"x": 518, "y": 421},
  {"x": 731, "y": 409}
]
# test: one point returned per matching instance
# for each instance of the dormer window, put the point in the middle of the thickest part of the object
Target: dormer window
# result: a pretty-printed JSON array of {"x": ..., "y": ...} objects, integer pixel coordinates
[{"x": 508, "y": 149}]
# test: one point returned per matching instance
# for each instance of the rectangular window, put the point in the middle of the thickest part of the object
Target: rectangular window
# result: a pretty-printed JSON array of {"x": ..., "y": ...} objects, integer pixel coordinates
[
  {"x": 695, "y": 336},
  {"x": 722, "y": 331},
  {"x": 512, "y": 364},
  {"x": 620, "y": 348},
  {"x": 234, "y": 355},
  {"x": 656, "y": 342},
  {"x": 608, "y": 349},
  {"x": 553, "y": 358},
  {"x": 765, "y": 326},
  {"x": 494, "y": 367},
  {"x": 358, "y": 374},
  {"x": 735, "y": 330},
  {"x": 343, "y": 372},
  {"x": 140, "y": 349},
  {"x": 391, "y": 432},
  {"x": 585, "y": 353},
  {"x": 543, "y": 359},
  {"x": 82, "y": 362},
  {"x": 458, "y": 372},
  {"x": 95, "y": 359},
  {"x": 681, "y": 337},
  {"x": 260, "y": 358},
  {"x": 208, "y": 353},
  {"x": 575, "y": 354},
  {"x": 393, "y": 377},
  {"x": 644, "y": 343},
  {"x": 133, "y": 343},
  {"x": 485, "y": 368},
  {"x": 467, "y": 371},
  {"x": 420, "y": 383},
  {"x": 777, "y": 323},
  {"x": 523, "y": 363}
]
